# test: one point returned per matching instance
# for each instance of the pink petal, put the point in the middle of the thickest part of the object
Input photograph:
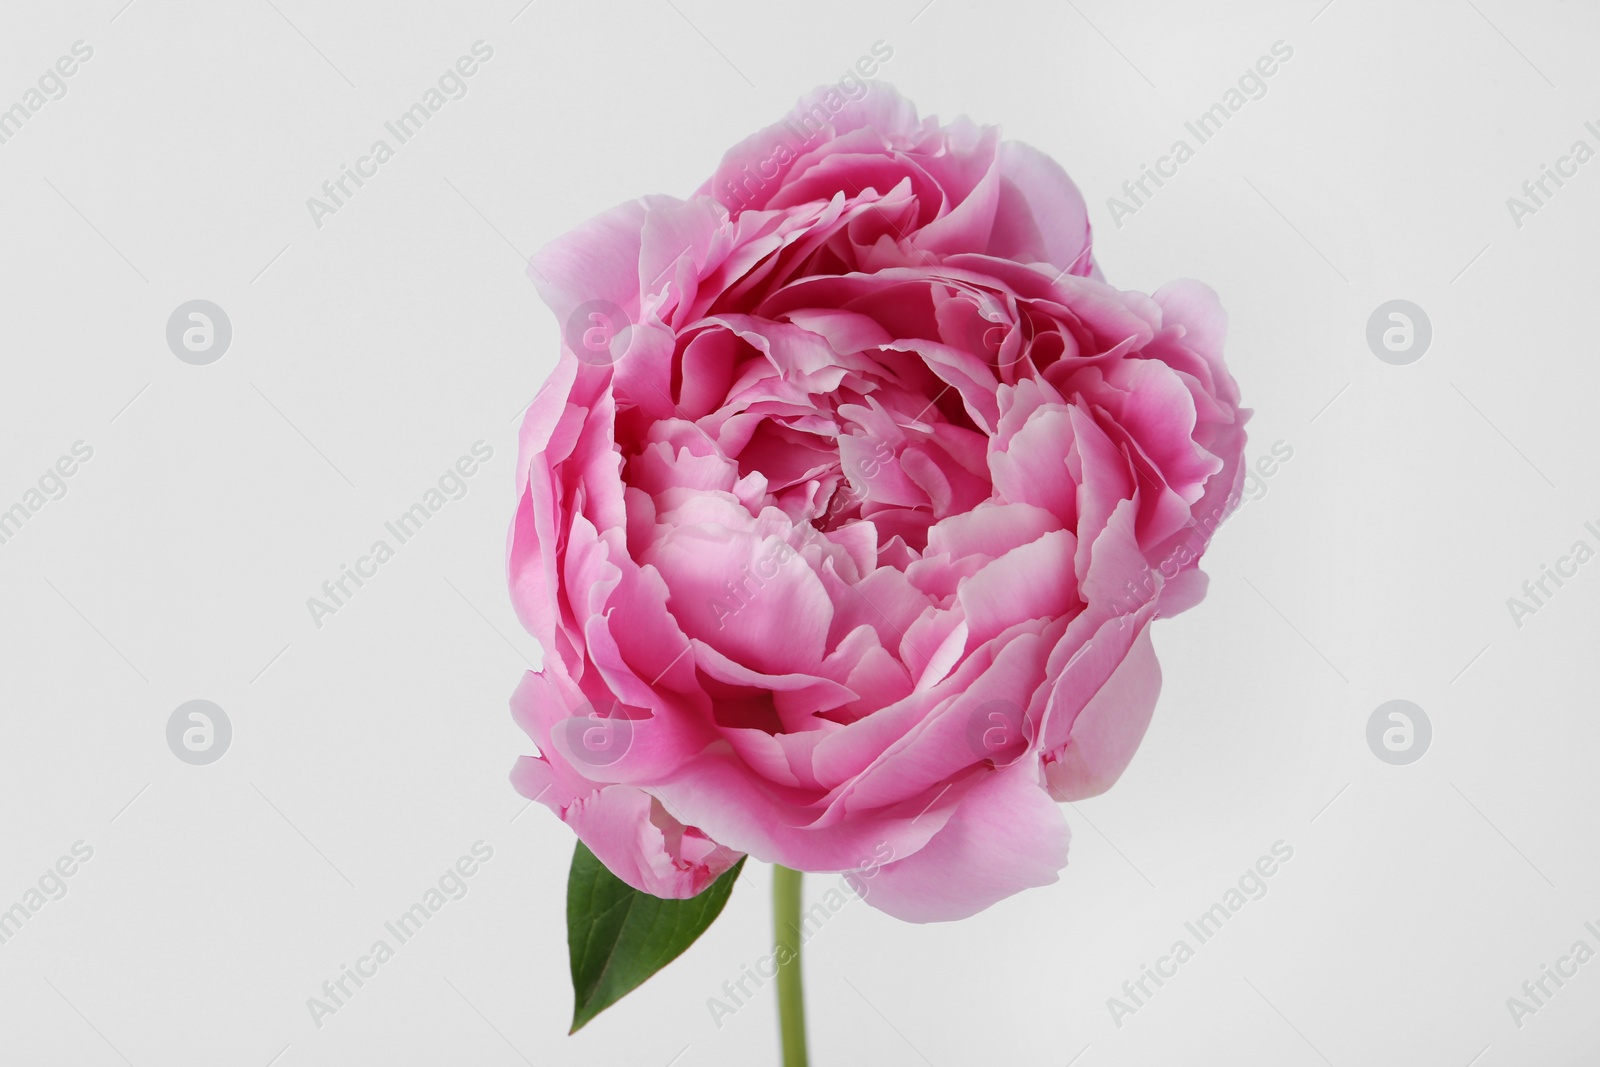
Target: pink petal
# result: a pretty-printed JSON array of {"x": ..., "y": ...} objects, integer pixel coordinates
[{"x": 1005, "y": 836}]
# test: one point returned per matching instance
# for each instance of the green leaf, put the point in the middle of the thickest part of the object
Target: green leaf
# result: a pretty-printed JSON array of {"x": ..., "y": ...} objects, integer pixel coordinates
[{"x": 617, "y": 936}]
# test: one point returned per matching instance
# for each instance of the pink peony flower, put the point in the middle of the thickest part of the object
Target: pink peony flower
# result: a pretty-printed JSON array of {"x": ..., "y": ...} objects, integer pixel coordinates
[{"x": 847, "y": 509}]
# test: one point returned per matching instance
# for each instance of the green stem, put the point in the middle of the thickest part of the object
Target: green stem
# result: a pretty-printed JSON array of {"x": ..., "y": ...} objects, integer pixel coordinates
[{"x": 786, "y": 935}]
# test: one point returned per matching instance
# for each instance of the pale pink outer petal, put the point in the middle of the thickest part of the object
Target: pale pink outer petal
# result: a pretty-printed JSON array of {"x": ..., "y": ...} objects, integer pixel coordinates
[
  {"x": 1041, "y": 215},
  {"x": 1107, "y": 732},
  {"x": 881, "y": 108},
  {"x": 1006, "y": 835},
  {"x": 599, "y": 260},
  {"x": 638, "y": 841},
  {"x": 1195, "y": 305},
  {"x": 616, "y": 824}
]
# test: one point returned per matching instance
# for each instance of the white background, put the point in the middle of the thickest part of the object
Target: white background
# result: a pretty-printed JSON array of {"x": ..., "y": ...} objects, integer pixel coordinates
[{"x": 368, "y": 354}]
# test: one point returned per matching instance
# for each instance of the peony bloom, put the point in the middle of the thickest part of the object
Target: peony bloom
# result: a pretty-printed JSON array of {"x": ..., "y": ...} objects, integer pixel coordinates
[{"x": 845, "y": 514}]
